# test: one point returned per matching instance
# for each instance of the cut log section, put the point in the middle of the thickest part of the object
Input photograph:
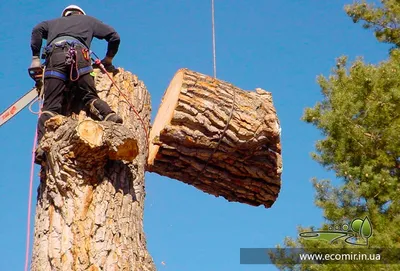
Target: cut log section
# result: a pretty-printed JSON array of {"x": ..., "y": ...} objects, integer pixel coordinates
[
  {"x": 219, "y": 138},
  {"x": 89, "y": 140}
]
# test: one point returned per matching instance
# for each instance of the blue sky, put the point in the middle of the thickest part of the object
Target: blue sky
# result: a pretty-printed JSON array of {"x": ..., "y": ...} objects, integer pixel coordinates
[{"x": 280, "y": 46}]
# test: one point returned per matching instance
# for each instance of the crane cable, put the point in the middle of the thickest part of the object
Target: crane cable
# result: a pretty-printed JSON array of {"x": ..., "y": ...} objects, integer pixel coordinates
[
  {"x": 213, "y": 39},
  {"x": 223, "y": 133}
]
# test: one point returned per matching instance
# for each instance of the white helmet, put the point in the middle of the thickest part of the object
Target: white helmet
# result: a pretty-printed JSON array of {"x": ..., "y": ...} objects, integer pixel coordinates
[{"x": 67, "y": 11}]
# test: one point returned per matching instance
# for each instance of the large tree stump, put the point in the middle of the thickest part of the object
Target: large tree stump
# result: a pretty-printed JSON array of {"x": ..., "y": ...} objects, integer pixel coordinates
[
  {"x": 89, "y": 214},
  {"x": 245, "y": 166}
]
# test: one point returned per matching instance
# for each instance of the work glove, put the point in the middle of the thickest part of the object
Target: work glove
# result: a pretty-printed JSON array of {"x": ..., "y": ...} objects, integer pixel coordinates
[
  {"x": 35, "y": 62},
  {"x": 37, "y": 77}
]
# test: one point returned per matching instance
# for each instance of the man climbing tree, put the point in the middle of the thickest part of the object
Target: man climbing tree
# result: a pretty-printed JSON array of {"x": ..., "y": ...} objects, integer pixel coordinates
[
  {"x": 90, "y": 200},
  {"x": 68, "y": 64},
  {"x": 360, "y": 119}
]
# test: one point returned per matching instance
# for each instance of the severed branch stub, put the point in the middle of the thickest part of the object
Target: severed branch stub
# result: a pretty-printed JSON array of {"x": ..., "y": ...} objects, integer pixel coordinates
[
  {"x": 87, "y": 141},
  {"x": 196, "y": 138}
]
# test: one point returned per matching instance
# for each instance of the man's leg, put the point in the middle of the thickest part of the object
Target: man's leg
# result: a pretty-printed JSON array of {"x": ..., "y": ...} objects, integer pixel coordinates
[
  {"x": 52, "y": 105},
  {"x": 97, "y": 107}
]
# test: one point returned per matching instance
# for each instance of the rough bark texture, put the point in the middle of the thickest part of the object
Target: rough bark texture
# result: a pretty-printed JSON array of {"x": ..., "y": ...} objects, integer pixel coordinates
[
  {"x": 89, "y": 214},
  {"x": 246, "y": 166}
]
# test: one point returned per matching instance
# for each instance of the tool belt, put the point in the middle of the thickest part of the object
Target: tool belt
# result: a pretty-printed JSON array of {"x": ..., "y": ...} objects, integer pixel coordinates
[{"x": 67, "y": 59}]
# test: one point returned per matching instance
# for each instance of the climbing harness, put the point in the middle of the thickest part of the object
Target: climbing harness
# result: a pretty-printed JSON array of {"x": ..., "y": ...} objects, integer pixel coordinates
[
  {"x": 97, "y": 61},
  {"x": 71, "y": 59}
]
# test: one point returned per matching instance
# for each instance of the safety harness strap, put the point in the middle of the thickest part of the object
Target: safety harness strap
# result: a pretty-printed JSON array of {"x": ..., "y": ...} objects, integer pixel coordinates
[
  {"x": 71, "y": 58},
  {"x": 63, "y": 76},
  {"x": 56, "y": 74},
  {"x": 66, "y": 40},
  {"x": 85, "y": 70}
]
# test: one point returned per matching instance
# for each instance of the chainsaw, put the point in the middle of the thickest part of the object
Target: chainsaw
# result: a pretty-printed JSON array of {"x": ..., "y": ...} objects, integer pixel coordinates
[{"x": 36, "y": 73}]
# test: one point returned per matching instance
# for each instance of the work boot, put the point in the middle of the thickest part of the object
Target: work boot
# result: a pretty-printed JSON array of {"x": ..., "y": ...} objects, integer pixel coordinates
[
  {"x": 102, "y": 111},
  {"x": 40, "y": 156},
  {"x": 114, "y": 118}
]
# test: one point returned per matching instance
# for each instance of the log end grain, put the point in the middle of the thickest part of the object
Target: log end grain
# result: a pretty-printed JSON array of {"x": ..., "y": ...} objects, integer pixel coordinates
[
  {"x": 165, "y": 112},
  {"x": 91, "y": 132}
]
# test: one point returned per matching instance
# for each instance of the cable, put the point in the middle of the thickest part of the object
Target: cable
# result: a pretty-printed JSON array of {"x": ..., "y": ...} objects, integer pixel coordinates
[
  {"x": 213, "y": 39},
  {"x": 233, "y": 95},
  {"x": 222, "y": 136}
]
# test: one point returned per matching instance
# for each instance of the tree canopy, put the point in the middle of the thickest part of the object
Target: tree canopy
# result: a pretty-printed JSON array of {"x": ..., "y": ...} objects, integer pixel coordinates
[{"x": 359, "y": 118}]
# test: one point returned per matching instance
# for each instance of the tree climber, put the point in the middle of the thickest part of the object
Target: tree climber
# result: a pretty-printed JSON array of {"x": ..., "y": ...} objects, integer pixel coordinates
[{"x": 68, "y": 64}]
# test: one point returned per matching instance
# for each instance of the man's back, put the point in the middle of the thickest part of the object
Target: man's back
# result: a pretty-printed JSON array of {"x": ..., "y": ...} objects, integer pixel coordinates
[{"x": 81, "y": 27}]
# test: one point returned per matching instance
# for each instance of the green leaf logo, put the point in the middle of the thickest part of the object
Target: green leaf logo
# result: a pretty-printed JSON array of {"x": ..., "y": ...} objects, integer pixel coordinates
[
  {"x": 358, "y": 234},
  {"x": 366, "y": 228},
  {"x": 356, "y": 225}
]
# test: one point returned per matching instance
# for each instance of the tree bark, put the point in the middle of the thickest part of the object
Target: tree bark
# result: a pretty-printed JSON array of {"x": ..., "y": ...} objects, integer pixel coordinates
[
  {"x": 191, "y": 141},
  {"x": 89, "y": 213}
]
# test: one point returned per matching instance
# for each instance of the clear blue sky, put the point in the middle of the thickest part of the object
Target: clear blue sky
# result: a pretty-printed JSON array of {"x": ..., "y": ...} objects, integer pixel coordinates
[{"x": 280, "y": 46}]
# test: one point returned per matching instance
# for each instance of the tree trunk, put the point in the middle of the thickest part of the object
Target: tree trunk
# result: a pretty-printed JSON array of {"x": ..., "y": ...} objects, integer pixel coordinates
[
  {"x": 89, "y": 213},
  {"x": 191, "y": 141}
]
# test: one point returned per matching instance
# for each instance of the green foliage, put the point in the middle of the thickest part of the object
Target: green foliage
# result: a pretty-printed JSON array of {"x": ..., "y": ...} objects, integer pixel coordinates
[
  {"x": 383, "y": 19},
  {"x": 359, "y": 118}
]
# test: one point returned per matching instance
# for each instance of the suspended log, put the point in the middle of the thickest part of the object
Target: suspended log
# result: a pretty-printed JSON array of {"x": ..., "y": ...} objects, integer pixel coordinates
[{"x": 219, "y": 138}]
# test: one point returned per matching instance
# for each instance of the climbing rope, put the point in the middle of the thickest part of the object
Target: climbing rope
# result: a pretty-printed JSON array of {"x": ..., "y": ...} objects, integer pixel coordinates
[
  {"x": 29, "y": 214},
  {"x": 97, "y": 61},
  {"x": 213, "y": 39},
  {"x": 28, "y": 224}
]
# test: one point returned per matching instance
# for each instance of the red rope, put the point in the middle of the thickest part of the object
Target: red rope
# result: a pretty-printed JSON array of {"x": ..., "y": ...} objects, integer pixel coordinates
[
  {"x": 71, "y": 71},
  {"x": 98, "y": 62},
  {"x": 28, "y": 224}
]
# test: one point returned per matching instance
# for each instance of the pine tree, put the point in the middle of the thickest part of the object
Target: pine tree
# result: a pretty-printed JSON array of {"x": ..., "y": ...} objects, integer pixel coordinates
[{"x": 359, "y": 117}]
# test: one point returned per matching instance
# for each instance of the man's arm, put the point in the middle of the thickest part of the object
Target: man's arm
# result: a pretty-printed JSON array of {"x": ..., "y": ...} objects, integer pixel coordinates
[
  {"x": 103, "y": 31},
  {"x": 39, "y": 32}
]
